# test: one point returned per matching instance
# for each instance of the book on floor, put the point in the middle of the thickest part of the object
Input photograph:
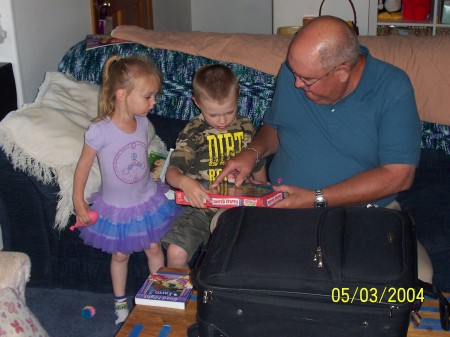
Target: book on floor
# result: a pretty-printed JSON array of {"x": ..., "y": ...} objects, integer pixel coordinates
[
  {"x": 100, "y": 40},
  {"x": 228, "y": 195},
  {"x": 165, "y": 289}
]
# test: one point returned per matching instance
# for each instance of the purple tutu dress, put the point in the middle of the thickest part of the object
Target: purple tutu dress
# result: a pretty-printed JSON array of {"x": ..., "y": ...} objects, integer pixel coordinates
[{"x": 133, "y": 210}]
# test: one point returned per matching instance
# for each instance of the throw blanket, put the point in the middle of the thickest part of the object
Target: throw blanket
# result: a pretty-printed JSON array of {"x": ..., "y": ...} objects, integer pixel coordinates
[
  {"x": 45, "y": 138},
  {"x": 264, "y": 52}
]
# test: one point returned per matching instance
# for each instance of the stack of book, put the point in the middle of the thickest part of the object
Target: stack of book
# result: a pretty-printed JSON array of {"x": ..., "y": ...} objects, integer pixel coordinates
[{"x": 168, "y": 289}]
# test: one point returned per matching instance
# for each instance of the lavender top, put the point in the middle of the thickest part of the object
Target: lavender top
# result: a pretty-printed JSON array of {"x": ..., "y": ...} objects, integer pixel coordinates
[{"x": 123, "y": 161}]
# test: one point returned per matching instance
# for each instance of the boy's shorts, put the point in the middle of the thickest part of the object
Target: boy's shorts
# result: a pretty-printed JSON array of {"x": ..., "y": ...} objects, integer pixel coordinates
[{"x": 190, "y": 229}]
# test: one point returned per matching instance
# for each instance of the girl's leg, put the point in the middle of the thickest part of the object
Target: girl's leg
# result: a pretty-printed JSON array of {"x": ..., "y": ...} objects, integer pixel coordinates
[
  {"x": 155, "y": 257},
  {"x": 119, "y": 270}
]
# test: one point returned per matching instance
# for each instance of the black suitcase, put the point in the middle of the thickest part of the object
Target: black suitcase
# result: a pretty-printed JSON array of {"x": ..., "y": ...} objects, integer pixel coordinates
[{"x": 307, "y": 272}]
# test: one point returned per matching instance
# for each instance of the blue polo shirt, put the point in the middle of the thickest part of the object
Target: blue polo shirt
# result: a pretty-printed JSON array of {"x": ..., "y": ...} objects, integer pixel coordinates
[{"x": 321, "y": 145}]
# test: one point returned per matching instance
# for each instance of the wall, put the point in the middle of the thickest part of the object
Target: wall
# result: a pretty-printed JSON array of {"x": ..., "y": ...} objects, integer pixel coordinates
[
  {"x": 38, "y": 35},
  {"x": 255, "y": 16},
  {"x": 222, "y": 16},
  {"x": 173, "y": 15},
  {"x": 8, "y": 48},
  {"x": 232, "y": 16}
]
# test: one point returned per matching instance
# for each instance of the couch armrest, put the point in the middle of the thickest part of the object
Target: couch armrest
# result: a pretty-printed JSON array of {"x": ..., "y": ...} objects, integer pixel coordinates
[
  {"x": 14, "y": 271},
  {"x": 27, "y": 215}
]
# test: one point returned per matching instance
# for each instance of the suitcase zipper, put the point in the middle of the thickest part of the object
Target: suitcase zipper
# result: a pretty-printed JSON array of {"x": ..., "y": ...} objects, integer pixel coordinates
[
  {"x": 318, "y": 256},
  {"x": 208, "y": 297}
]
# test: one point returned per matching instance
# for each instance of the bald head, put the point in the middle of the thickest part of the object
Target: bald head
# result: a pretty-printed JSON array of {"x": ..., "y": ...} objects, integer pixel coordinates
[{"x": 327, "y": 40}]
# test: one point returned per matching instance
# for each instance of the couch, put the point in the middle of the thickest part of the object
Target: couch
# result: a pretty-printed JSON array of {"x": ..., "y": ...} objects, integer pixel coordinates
[{"x": 35, "y": 212}]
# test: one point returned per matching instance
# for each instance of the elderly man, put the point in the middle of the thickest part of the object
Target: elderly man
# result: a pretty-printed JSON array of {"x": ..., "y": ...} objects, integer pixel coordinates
[{"x": 343, "y": 127}]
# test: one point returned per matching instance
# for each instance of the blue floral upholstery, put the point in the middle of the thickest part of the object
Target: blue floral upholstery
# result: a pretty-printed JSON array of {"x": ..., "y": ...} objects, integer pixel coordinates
[
  {"x": 177, "y": 69},
  {"x": 436, "y": 136}
]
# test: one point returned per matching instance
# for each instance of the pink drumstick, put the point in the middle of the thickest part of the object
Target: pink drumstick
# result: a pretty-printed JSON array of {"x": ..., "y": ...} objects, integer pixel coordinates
[{"x": 93, "y": 215}]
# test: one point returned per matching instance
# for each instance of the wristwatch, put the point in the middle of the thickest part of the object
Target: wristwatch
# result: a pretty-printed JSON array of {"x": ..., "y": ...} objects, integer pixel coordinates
[{"x": 320, "y": 200}]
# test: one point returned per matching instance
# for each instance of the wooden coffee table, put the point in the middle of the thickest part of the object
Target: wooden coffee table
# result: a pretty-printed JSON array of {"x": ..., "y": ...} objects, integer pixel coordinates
[
  {"x": 434, "y": 315},
  {"x": 150, "y": 320}
]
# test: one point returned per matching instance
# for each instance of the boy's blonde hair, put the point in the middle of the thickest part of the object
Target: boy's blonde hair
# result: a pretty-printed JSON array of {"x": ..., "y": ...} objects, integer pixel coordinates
[
  {"x": 120, "y": 73},
  {"x": 215, "y": 82}
]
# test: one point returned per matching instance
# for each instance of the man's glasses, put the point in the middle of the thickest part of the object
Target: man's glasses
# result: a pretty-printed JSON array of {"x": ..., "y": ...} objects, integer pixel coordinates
[{"x": 308, "y": 83}]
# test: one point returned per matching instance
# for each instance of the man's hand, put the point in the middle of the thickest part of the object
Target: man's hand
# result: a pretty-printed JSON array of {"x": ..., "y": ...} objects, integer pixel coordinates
[
  {"x": 297, "y": 197},
  {"x": 237, "y": 169},
  {"x": 360, "y": 189}
]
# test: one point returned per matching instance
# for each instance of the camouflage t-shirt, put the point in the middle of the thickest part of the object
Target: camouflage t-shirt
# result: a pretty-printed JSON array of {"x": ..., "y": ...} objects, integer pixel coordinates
[{"x": 202, "y": 151}]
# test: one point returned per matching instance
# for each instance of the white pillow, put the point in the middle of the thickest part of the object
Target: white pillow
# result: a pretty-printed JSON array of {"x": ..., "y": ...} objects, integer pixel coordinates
[{"x": 62, "y": 91}]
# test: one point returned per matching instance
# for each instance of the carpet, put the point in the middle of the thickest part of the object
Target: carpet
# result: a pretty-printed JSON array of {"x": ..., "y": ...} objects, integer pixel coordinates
[{"x": 59, "y": 312}]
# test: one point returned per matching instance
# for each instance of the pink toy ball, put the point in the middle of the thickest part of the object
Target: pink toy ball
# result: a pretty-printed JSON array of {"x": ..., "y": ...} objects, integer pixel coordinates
[
  {"x": 93, "y": 215},
  {"x": 88, "y": 311}
]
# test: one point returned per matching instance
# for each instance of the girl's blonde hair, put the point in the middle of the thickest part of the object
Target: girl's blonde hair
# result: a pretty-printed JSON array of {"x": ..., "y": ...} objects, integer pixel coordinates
[
  {"x": 120, "y": 73},
  {"x": 215, "y": 82}
]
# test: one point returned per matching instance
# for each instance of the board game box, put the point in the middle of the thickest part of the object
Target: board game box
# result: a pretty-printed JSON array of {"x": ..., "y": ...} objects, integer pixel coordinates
[{"x": 228, "y": 195}]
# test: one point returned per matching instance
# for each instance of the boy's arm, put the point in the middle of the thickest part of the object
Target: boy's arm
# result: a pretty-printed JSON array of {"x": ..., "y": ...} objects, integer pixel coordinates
[
  {"x": 195, "y": 193},
  {"x": 174, "y": 176},
  {"x": 79, "y": 183}
]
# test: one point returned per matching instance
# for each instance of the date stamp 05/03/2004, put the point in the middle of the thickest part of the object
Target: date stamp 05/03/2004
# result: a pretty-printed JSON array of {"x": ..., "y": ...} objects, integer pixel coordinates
[{"x": 376, "y": 295}]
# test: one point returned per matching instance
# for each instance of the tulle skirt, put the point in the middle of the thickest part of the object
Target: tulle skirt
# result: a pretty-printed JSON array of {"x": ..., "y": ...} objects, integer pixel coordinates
[{"x": 130, "y": 229}]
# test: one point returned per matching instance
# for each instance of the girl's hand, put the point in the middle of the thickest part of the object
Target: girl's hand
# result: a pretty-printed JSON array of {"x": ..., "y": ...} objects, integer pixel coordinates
[
  {"x": 195, "y": 193},
  {"x": 81, "y": 212}
]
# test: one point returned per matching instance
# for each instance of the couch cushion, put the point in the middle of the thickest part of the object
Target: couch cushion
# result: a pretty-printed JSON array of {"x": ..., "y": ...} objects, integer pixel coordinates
[
  {"x": 427, "y": 199},
  {"x": 425, "y": 60},
  {"x": 428, "y": 202},
  {"x": 167, "y": 129}
]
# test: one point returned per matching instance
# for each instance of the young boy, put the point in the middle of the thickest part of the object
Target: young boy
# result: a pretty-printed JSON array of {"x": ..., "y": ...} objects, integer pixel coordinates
[{"x": 202, "y": 149}]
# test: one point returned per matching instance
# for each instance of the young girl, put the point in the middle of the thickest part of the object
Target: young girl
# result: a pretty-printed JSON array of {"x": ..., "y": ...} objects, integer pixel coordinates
[{"x": 133, "y": 210}]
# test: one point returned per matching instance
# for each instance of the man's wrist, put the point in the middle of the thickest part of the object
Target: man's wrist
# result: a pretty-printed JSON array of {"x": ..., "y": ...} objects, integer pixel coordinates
[
  {"x": 258, "y": 157},
  {"x": 320, "y": 200}
]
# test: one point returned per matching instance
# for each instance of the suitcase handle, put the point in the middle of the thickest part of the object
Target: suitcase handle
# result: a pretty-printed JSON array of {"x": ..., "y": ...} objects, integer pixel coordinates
[
  {"x": 444, "y": 306},
  {"x": 192, "y": 330}
]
